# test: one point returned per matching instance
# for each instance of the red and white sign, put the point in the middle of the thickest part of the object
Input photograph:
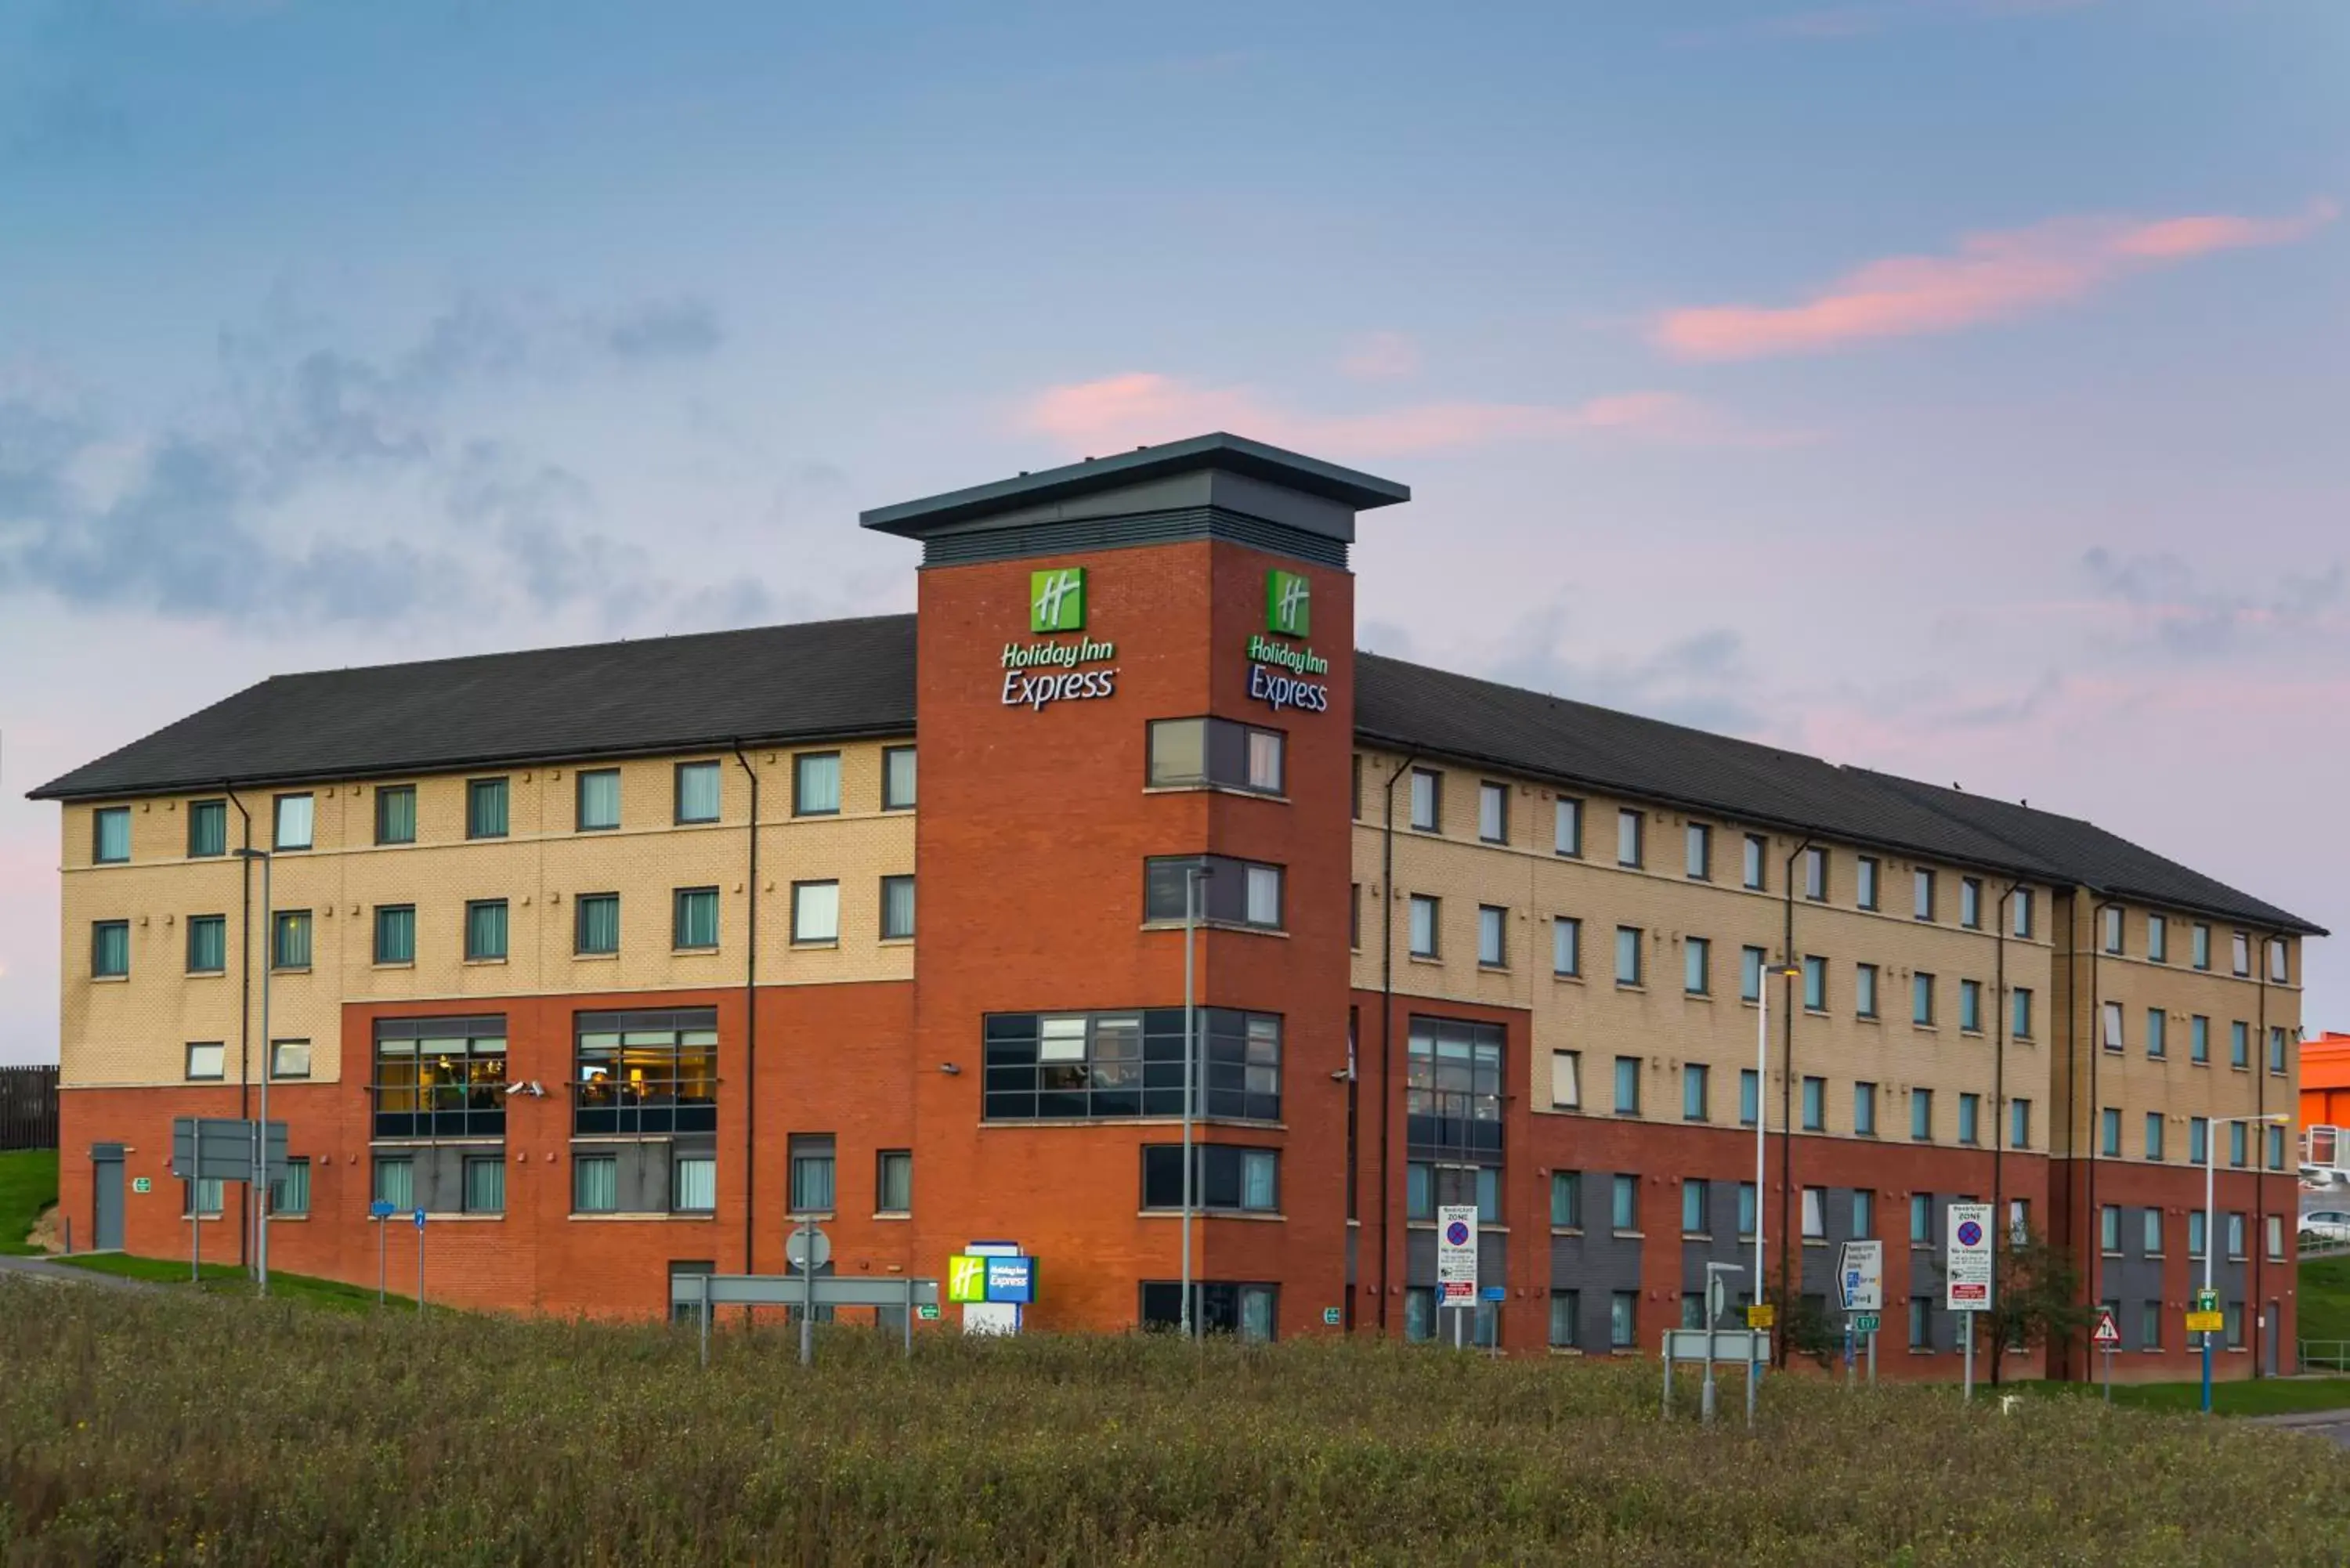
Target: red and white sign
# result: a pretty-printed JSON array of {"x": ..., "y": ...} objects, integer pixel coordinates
[
  {"x": 2109, "y": 1333},
  {"x": 1966, "y": 1261}
]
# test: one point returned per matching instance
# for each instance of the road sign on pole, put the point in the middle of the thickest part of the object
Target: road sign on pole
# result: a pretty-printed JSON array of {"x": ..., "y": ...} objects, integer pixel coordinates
[
  {"x": 2109, "y": 1333},
  {"x": 1456, "y": 1261},
  {"x": 1860, "y": 1275},
  {"x": 1966, "y": 1273}
]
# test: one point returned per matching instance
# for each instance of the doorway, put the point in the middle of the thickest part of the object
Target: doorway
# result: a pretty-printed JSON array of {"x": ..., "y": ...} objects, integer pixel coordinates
[{"x": 106, "y": 1197}]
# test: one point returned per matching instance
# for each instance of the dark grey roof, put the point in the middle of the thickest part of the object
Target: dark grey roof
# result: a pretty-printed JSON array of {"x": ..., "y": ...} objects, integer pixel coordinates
[
  {"x": 851, "y": 678},
  {"x": 837, "y": 678}
]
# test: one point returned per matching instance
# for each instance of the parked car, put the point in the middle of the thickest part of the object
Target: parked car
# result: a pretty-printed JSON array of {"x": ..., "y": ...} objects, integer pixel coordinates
[{"x": 2326, "y": 1226}]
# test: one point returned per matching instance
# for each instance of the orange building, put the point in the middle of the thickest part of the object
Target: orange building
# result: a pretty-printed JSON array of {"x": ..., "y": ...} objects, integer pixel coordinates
[{"x": 2324, "y": 1084}]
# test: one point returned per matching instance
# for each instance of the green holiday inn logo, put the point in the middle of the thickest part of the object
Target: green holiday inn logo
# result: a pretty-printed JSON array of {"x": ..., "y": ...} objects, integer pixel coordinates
[
  {"x": 1056, "y": 600},
  {"x": 1288, "y": 604}
]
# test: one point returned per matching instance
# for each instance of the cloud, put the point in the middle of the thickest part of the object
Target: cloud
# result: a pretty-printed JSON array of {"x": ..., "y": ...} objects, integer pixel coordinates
[
  {"x": 1992, "y": 278},
  {"x": 1381, "y": 357},
  {"x": 1142, "y": 407},
  {"x": 2171, "y": 607},
  {"x": 1700, "y": 679}
]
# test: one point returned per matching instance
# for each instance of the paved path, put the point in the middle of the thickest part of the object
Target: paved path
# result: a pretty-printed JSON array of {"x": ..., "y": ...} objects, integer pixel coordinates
[
  {"x": 2333, "y": 1424},
  {"x": 65, "y": 1273}
]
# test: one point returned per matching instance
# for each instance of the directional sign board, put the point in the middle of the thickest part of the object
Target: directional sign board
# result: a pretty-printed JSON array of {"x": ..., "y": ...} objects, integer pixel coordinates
[
  {"x": 1860, "y": 1276},
  {"x": 220, "y": 1148},
  {"x": 1966, "y": 1259},
  {"x": 1456, "y": 1254},
  {"x": 2109, "y": 1333},
  {"x": 1865, "y": 1322}
]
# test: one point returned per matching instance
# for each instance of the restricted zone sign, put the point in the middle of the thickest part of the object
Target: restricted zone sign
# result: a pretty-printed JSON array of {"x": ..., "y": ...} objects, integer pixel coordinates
[
  {"x": 1456, "y": 1254},
  {"x": 1966, "y": 1260}
]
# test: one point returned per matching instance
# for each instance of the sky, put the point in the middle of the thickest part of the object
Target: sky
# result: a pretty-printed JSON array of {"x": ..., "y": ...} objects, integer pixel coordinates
[{"x": 1952, "y": 387}]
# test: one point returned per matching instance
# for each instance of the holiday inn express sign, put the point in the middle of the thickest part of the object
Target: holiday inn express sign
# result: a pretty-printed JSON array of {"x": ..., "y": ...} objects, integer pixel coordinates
[
  {"x": 1279, "y": 674},
  {"x": 1036, "y": 674}
]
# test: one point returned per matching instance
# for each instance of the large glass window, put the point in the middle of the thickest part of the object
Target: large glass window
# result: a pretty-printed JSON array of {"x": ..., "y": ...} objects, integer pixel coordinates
[
  {"x": 207, "y": 828},
  {"x": 207, "y": 1061},
  {"x": 816, "y": 912},
  {"x": 600, "y": 800},
  {"x": 595, "y": 1184},
  {"x": 897, "y": 778},
  {"x": 395, "y": 933},
  {"x": 1453, "y": 1096},
  {"x": 646, "y": 1073},
  {"x": 395, "y": 1181},
  {"x": 596, "y": 924},
  {"x": 815, "y": 784},
  {"x": 1099, "y": 1066},
  {"x": 1245, "y": 1312},
  {"x": 1223, "y": 1176},
  {"x": 395, "y": 814},
  {"x": 290, "y": 1194},
  {"x": 485, "y": 931},
  {"x": 485, "y": 808},
  {"x": 700, "y": 788},
  {"x": 295, "y": 822},
  {"x": 289, "y": 1058},
  {"x": 693, "y": 1183},
  {"x": 1232, "y": 892},
  {"x": 207, "y": 944},
  {"x": 441, "y": 1077}
]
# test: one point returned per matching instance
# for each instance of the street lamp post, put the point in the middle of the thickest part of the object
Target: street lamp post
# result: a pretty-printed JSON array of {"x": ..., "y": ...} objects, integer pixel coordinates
[
  {"x": 2211, "y": 1218},
  {"x": 259, "y": 1186}
]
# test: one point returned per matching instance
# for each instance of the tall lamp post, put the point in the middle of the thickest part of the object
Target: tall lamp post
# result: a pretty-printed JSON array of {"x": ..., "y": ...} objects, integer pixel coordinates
[
  {"x": 259, "y": 1186},
  {"x": 2210, "y": 1216}
]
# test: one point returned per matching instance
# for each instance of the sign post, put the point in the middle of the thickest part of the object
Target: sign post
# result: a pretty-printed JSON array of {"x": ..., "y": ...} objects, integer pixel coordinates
[
  {"x": 2108, "y": 1339},
  {"x": 808, "y": 1249},
  {"x": 1966, "y": 1272},
  {"x": 1456, "y": 1262},
  {"x": 1860, "y": 1285},
  {"x": 380, "y": 1212},
  {"x": 2206, "y": 1320}
]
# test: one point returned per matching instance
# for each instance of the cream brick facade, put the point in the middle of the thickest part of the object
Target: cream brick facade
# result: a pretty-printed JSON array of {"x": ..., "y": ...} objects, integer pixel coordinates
[{"x": 135, "y": 1031}]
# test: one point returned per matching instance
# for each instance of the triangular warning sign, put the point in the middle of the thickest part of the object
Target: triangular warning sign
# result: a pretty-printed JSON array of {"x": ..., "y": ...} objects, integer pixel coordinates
[{"x": 2108, "y": 1331}]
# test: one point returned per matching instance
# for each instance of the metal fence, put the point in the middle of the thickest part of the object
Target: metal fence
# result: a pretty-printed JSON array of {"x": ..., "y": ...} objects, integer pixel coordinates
[
  {"x": 2325, "y": 1354},
  {"x": 28, "y": 1108}
]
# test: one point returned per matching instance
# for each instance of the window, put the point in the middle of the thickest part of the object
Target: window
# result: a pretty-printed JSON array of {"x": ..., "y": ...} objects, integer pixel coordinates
[
  {"x": 1567, "y": 1080},
  {"x": 1355, "y": 917},
  {"x": 1567, "y": 826},
  {"x": 2240, "y": 1044},
  {"x": 1969, "y": 1115},
  {"x": 645, "y": 1074},
  {"x": 1693, "y": 1208},
  {"x": 1423, "y": 926},
  {"x": 2109, "y": 1228},
  {"x": 1864, "y": 1109},
  {"x": 2150, "y": 1238},
  {"x": 1419, "y": 1315},
  {"x": 485, "y": 808},
  {"x": 816, "y": 912},
  {"x": 109, "y": 949},
  {"x": 1426, "y": 800},
  {"x": 1750, "y": 1097},
  {"x": 2195, "y": 1232},
  {"x": 1566, "y": 1199},
  {"x": 1864, "y": 990},
  {"x": 1190, "y": 754},
  {"x": 290, "y": 1194},
  {"x": 1493, "y": 936},
  {"x": 2019, "y": 1124},
  {"x": 2021, "y": 903},
  {"x": 2157, "y": 939},
  {"x": 1815, "y": 1214},
  {"x": 893, "y": 1181},
  {"x": 694, "y": 916},
  {"x": 698, "y": 792},
  {"x": 1225, "y": 1177},
  {"x": 1628, "y": 955},
  {"x": 595, "y": 1184},
  {"x": 596, "y": 924},
  {"x": 1752, "y": 872},
  {"x": 1493, "y": 813},
  {"x": 1750, "y": 974},
  {"x": 1816, "y": 874},
  {"x": 485, "y": 1184},
  {"x": 395, "y": 814},
  {"x": 2020, "y": 1001},
  {"x": 1971, "y": 902},
  {"x": 1695, "y": 1079},
  {"x": 1746, "y": 1208},
  {"x": 2241, "y": 954},
  {"x": 1101, "y": 1066},
  {"x": 2149, "y": 1326},
  {"x": 1971, "y": 1006},
  {"x": 2277, "y": 1053},
  {"x": 2111, "y": 923},
  {"x": 1623, "y": 1319},
  {"x": 395, "y": 1181},
  {"x": 441, "y": 1077},
  {"x": 2199, "y": 1040},
  {"x": 2275, "y": 1136},
  {"x": 1624, "y": 1203},
  {"x": 1419, "y": 1191},
  {"x": 2157, "y": 1033},
  {"x": 2199, "y": 1139},
  {"x": 289, "y": 1058},
  {"x": 1921, "y": 1218},
  {"x": 485, "y": 931},
  {"x": 600, "y": 800},
  {"x": 1921, "y": 998},
  {"x": 1815, "y": 1095},
  {"x": 1697, "y": 966},
  {"x": 1700, "y": 852},
  {"x": 2273, "y": 1237},
  {"x": 1865, "y": 879},
  {"x": 1921, "y": 1115},
  {"x": 898, "y": 777},
  {"x": 815, "y": 784},
  {"x": 294, "y": 822},
  {"x": 2280, "y": 961},
  {"x": 289, "y": 942},
  {"x": 1229, "y": 892},
  {"x": 897, "y": 908},
  {"x": 207, "y": 828},
  {"x": 111, "y": 834},
  {"x": 2235, "y": 1234},
  {"x": 1864, "y": 1212},
  {"x": 1628, "y": 825},
  {"x": 2109, "y": 1132},
  {"x": 395, "y": 933},
  {"x": 1921, "y": 1322},
  {"x": 1356, "y": 795},
  {"x": 2019, "y": 1220},
  {"x": 1628, "y": 1085},
  {"x": 811, "y": 1167},
  {"x": 207, "y": 944},
  {"x": 207, "y": 1061},
  {"x": 1566, "y": 946},
  {"x": 1565, "y": 1309},
  {"x": 1816, "y": 985},
  {"x": 2112, "y": 1011},
  {"x": 1692, "y": 1309},
  {"x": 682, "y": 1270},
  {"x": 203, "y": 1198},
  {"x": 693, "y": 1184},
  {"x": 2199, "y": 946},
  {"x": 2236, "y": 1144}
]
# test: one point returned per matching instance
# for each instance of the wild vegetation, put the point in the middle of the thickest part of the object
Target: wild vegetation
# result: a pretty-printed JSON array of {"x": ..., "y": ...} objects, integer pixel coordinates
[{"x": 175, "y": 1427}]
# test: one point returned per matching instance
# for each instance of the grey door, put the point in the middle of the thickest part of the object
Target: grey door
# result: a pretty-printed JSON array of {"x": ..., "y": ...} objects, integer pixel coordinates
[{"x": 106, "y": 1189}]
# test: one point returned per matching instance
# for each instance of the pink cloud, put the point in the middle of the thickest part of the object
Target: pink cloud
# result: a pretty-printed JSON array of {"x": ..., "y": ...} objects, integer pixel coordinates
[
  {"x": 1141, "y": 407},
  {"x": 1992, "y": 277},
  {"x": 1382, "y": 356}
]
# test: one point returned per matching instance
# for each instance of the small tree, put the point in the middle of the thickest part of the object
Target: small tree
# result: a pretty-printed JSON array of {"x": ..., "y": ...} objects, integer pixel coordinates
[
  {"x": 2038, "y": 1299},
  {"x": 1806, "y": 1327}
]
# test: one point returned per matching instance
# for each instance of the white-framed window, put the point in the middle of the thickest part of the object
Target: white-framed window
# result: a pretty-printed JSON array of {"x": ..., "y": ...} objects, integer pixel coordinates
[
  {"x": 1423, "y": 926},
  {"x": 1566, "y": 946},
  {"x": 816, "y": 912},
  {"x": 1567, "y": 826},
  {"x": 1567, "y": 1080},
  {"x": 295, "y": 821},
  {"x": 1493, "y": 936}
]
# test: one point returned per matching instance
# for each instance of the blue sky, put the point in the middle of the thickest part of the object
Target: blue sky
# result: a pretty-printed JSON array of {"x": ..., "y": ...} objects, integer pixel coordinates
[{"x": 1949, "y": 385}]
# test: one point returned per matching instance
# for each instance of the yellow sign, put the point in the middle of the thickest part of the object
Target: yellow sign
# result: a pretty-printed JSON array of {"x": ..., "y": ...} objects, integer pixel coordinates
[
  {"x": 2206, "y": 1323},
  {"x": 1764, "y": 1316},
  {"x": 966, "y": 1279}
]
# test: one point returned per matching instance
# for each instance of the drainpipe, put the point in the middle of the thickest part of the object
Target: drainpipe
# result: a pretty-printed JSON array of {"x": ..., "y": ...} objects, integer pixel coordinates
[
  {"x": 751, "y": 1025},
  {"x": 1789, "y": 1285},
  {"x": 243, "y": 1004},
  {"x": 2257, "y": 1243},
  {"x": 2097, "y": 1250},
  {"x": 1387, "y": 1031},
  {"x": 2000, "y": 1003}
]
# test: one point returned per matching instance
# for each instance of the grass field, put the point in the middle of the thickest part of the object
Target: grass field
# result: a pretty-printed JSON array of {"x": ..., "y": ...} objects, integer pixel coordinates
[
  {"x": 176, "y": 1426},
  {"x": 2267, "y": 1396},
  {"x": 231, "y": 1280},
  {"x": 28, "y": 1184},
  {"x": 2324, "y": 1299}
]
